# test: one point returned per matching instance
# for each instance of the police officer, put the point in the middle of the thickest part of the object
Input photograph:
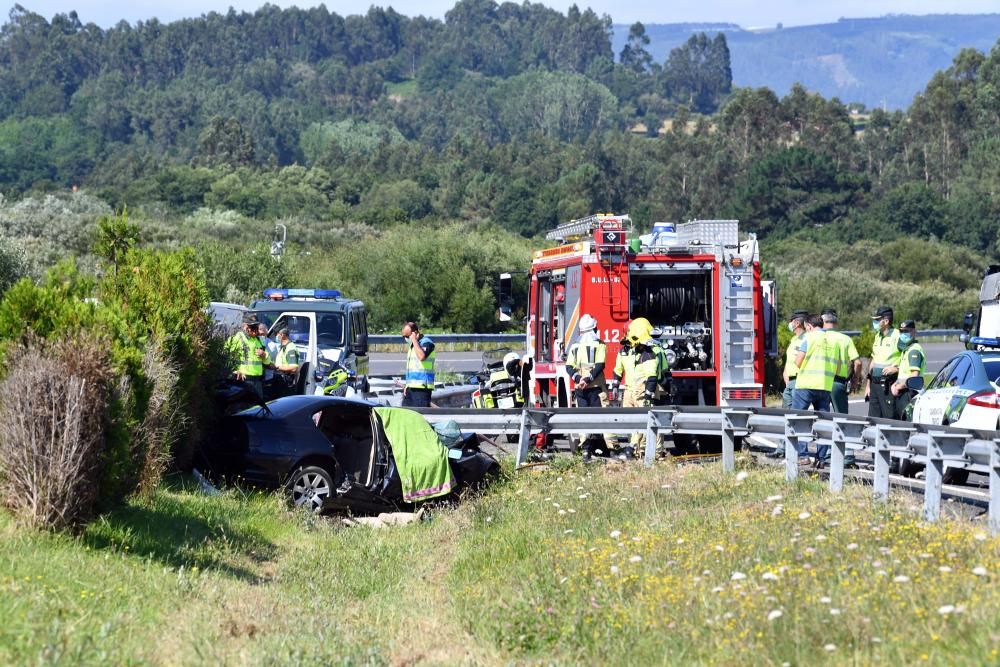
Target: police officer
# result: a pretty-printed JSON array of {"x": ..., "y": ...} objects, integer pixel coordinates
[
  {"x": 848, "y": 362},
  {"x": 797, "y": 325},
  {"x": 286, "y": 363},
  {"x": 419, "y": 382},
  {"x": 248, "y": 355},
  {"x": 885, "y": 366},
  {"x": 911, "y": 364},
  {"x": 585, "y": 365}
]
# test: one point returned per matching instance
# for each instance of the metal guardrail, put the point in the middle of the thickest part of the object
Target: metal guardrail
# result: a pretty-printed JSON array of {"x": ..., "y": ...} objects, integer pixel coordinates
[
  {"x": 389, "y": 339},
  {"x": 937, "y": 447}
]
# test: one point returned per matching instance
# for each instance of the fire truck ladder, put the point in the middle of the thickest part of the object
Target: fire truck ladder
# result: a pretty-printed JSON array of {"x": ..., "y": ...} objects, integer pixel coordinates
[
  {"x": 576, "y": 229},
  {"x": 738, "y": 315}
]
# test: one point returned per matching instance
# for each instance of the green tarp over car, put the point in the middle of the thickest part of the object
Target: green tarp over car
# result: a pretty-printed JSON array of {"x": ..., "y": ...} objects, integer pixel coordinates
[{"x": 420, "y": 458}]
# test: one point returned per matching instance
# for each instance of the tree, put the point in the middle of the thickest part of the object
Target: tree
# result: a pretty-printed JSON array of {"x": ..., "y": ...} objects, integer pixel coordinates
[
  {"x": 634, "y": 54},
  {"x": 224, "y": 143},
  {"x": 698, "y": 73},
  {"x": 115, "y": 237}
]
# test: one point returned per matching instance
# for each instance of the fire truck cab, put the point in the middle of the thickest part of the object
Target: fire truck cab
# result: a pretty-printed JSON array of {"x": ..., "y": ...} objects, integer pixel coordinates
[{"x": 697, "y": 284}]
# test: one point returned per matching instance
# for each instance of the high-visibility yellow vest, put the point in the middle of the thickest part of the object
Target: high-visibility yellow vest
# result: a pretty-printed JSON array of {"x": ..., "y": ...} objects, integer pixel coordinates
[
  {"x": 911, "y": 359},
  {"x": 420, "y": 374},
  {"x": 625, "y": 365},
  {"x": 288, "y": 355},
  {"x": 819, "y": 365},
  {"x": 844, "y": 351},
  {"x": 885, "y": 350},
  {"x": 645, "y": 369},
  {"x": 243, "y": 350},
  {"x": 585, "y": 355},
  {"x": 793, "y": 349}
]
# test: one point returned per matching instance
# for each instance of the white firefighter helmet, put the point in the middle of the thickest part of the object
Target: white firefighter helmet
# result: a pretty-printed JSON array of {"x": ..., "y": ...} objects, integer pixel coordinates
[
  {"x": 587, "y": 323},
  {"x": 510, "y": 362}
]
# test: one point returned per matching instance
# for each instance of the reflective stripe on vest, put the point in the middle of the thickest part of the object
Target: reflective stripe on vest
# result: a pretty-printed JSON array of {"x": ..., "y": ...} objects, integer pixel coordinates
[
  {"x": 905, "y": 369},
  {"x": 820, "y": 363},
  {"x": 420, "y": 374},
  {"x": 243, "y": 348},
  {"x": 625, "y": 365},
  {"x": 885, "y": 349},
  {"x": 585, "y": 355}
]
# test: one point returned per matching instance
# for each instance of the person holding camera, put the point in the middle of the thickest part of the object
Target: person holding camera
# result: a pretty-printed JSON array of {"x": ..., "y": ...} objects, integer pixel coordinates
[{"x": 419, "y": 382}]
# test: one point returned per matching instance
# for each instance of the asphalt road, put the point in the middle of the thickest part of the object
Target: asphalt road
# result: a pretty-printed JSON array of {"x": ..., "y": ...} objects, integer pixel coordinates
[{"x": 387, "y": 364}]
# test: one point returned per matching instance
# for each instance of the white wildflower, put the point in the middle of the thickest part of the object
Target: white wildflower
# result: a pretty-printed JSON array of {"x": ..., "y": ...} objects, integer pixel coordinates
[
  {"x": 804, "y": 515},
  {"x": 852, "y": 546},
  {"x": 614, "y": 569},
  {"x": 825, "y": 600},
  {"x": 830, "y": 648},
  {"x": 769, "y": 576},
  {"x": 946, "y": 609},
  {"x": 834, "y": 612},
  {"x": 901, "y": 579},
  {"x": 616, "y": 534},
  {"x": 742, "y": 475},
  {"x": 772, "y": 499},
  {"x": 979, "y": 571},
  {"x": 738, "y": 576},
  {"x": 944, "y": 569},
  {"x": 635, "y": 559},
  {"x": 775, "y": 614}
]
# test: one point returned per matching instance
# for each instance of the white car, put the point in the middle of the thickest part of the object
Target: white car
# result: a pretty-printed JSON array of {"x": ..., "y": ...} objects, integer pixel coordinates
[{"x": 964, "y": 393}]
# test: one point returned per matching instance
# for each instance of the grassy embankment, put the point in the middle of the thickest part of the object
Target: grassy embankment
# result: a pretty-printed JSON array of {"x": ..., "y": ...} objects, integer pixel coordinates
[{"x": 677, "y": 565}]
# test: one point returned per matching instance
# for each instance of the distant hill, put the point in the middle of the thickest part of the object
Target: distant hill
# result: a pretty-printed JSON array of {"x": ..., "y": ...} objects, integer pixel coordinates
[{"x": 875, "y": 61}]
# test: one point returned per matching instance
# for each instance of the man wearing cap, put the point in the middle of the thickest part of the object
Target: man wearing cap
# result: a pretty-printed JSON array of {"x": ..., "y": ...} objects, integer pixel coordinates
[
  {"x": 848, "y": 373},
  {"x": 884, "y": 367},
  {"x": 585, "y": 365},
  {"x": 420, "y": 356},
  {"x": 286, "y": 362},
  {"x": 247, "y": 354},
  {"x": 817, "y": 367},
  {"x": 796, "y": 324},
  {"x": 911, "y": 364}
]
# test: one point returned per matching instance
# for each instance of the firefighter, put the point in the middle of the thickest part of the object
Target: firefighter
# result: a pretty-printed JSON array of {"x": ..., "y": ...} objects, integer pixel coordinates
[
  {"x": 911, "y": 364},
  {"x": 518, "y": 369},
  {"x": 885, "y": 366},
  {"x": 848, "y": 375},
  {"x": 641, "y": 383},
  {"x": 585, "y": 365},
  {"x": 245, "y": 349},
  {"x": 420, "y": 357}
]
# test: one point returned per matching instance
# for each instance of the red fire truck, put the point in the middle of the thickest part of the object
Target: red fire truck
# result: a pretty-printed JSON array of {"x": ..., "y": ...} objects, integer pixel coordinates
[{"x": 697, "y": 284}]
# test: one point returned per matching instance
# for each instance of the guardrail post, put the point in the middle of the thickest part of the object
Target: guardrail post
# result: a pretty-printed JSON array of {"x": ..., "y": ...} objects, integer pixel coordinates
[
  {"x": 733, "y": 422},
  {"x": 995, "y": 487},
  {"x": 651, "y": 436},
  {"x": 524, "y": 440},
  {"x": 658, "y": 421},
  {"x": 838, "y": 453},
  {"x": 882, "y": 460},
  {"x": 796, "y": 426},
  {"x": 933, "y": 480}
]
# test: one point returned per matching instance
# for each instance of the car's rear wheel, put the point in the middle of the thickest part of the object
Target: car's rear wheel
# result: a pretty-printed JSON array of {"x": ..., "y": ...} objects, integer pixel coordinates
[{"x": 309, "y": 487}]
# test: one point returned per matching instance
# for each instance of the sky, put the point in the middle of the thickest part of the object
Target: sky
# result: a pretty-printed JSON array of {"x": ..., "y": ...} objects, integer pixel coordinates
[{"x": 747, "y": 13}]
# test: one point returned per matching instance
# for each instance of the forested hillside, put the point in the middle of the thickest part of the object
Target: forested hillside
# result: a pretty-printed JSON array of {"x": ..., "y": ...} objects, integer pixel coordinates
[
  {"x": 501, "y": 119},
  {"x": 875, "y": 61}
]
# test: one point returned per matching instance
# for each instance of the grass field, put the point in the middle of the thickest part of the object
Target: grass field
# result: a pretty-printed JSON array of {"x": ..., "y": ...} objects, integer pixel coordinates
[{"x": 574, "y": 565}]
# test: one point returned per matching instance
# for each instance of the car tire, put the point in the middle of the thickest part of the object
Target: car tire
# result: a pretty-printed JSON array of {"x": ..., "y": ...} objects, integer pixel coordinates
[
  {"x": 309, "y": 487},
  {"x": 908, "y": 468}
]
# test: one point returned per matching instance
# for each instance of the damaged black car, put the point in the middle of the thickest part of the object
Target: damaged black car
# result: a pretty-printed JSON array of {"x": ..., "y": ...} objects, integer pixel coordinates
[{"x": 336, "y": 454}]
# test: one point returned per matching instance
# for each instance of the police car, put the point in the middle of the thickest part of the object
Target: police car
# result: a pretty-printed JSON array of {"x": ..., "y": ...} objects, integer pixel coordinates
[
  {"x": 323, "y": 324},
  {"x": 965, "y": 391}
]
